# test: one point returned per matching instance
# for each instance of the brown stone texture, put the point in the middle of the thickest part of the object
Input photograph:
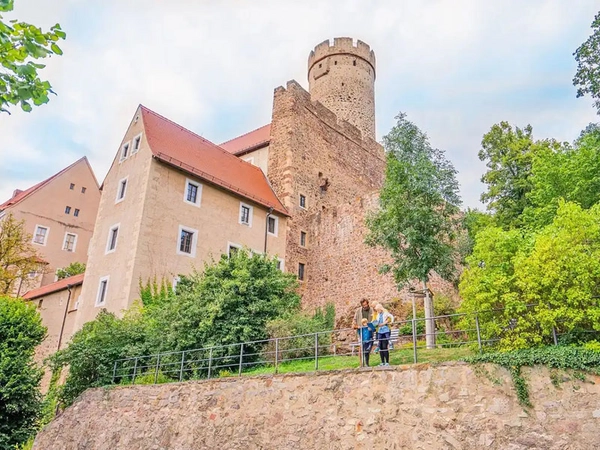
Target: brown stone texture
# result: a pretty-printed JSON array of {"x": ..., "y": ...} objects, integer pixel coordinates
[{"x": 450, "y": 406}]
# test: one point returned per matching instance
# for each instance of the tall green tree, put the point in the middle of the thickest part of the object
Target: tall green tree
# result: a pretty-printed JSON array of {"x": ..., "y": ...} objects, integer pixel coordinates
[
  {"x": 21, "y": 331},
  {"x": 75, "y": 268},
  {"x": 508, "y": 153},
  {"x": 21, "y": 44},
  {"x": 418, "y": 218},
  {"x": 587, "y": 77}
]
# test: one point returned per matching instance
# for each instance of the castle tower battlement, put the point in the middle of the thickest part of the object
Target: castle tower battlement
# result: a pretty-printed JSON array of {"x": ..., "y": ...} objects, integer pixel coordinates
[{"x": 342, "y": 77}]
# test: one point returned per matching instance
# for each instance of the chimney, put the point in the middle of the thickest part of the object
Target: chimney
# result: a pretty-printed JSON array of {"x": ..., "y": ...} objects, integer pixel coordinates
[{"x": 16, "y": 192}]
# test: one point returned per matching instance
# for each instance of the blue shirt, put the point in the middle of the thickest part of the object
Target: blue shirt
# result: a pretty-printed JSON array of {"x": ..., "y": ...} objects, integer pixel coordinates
[
  {"x": 383, "y": 328},
  {"x": 367, "y": 332}
]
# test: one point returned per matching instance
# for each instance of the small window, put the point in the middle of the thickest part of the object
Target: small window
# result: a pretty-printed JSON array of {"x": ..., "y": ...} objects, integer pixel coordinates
[
  {"x": 113, "y": 235},
  {"x": 354, "y": 63},
  {"x": 41, "y": 234},
  {"x": 301, "y": 271},
  {"x": 320, "y": 65},
  {"x": 83, "y": 190},
  {"x": 245, "y": 214},
  {"x": 302, "y": 201},
  {"x": 121, "y": 190},
  {"x": 72, "y": 186},
  {"x": 125, "y": 151},
  {"x": 273, "y": 225},
  {"x": 136, "y": 143},
  {"x": 32, "y": 274},
  {"x": 187, "y": 241},
  {"x": 102, "y": 289},
  {"x": 280, "y": 264},
  {"x": 176, "y": 281},
  {"x": 70, "y": 242},
  {"x": 192, "y": 193},
  {"x": 40, "y": 303},
  {"x": 76, "y": 212},
  {"x": 335, "y": 63},
  {"x": 303, "y": 238},
  {"x": 68, "y": 210},
  {"x": 232, "y": 249}
]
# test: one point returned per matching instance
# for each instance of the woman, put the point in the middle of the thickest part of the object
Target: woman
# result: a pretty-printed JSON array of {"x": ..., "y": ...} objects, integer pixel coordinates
[{"x": 383, "y": 319}]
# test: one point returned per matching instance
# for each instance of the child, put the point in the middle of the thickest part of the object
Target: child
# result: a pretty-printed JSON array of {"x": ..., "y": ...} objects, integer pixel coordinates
[{"x": 366, "y": 333}]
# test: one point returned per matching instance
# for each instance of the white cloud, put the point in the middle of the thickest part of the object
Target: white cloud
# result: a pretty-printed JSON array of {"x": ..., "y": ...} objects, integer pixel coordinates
[{"x": 456, "y": 67}]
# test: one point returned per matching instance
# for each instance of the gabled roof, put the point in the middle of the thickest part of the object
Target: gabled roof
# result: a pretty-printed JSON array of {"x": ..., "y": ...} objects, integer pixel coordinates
[
  {"x": 26, "y": 193},
  {"x": 249, "y": 141},
  {"x": 185, "y": 150},
  {"x": 57, "y": 286}
]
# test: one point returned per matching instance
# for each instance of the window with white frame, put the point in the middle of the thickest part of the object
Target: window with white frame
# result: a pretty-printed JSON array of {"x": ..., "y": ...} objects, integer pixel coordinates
[
  {"x": 280, "y": 264},
  {"x": 302, "y": 201},
  {"x": 113, "y": 235},
  {"x": 102, "y": 291},
  {"x": 192, "y": 193},
  {"x": 76, "y": 212},
  {"x": 232, "y": 249},
  {"x": 273, "y": 225},
  {"x": 176, "y": 281},
  {"x": 70, "y": 242},
  {"x": 41, "y": 235},
  {"x": 68, "y": 210},
  {"x": 245, "y": 214},
  {"x": 125, "y": 151},
  {"x": 137, "y": 141},
  {"x": 121, "y": 190},
  {"x": 188, "y": 239}
]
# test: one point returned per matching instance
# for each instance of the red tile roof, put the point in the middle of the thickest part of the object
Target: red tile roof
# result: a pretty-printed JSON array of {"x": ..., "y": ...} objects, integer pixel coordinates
[
  {"x": 249, "y": 141},
  {"x": 57, "y": 286},
  {"x": 183, "y": 149},
  {"x": 26, "y": 193}
]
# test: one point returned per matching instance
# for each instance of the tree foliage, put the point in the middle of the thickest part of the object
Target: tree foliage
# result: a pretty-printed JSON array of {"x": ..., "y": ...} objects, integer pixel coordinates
[
  {"x": 21, "y": 331},
  {"x": 75, "y": 268},
  {"x": 20, "y": 45},
  {"x": 418, "y": 216},
  {"x": 587, "y": 77},
  {"x": 18, "y": 257}
]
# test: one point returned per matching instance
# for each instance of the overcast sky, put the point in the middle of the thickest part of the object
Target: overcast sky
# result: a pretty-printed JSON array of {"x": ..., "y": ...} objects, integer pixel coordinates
[{"x": 455, "y": 67}]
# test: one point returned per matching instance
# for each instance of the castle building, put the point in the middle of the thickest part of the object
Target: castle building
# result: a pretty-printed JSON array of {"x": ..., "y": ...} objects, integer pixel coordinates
[
  {"x": 59, "y": 213},
  {"x": 298, "y": 188}
]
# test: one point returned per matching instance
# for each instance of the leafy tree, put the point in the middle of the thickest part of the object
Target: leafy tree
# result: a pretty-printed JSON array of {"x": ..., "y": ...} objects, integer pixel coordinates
[
  {"x": 418, "y": 215},
  {"x": 587, "y": 77},
  {"x": 508, "y": 154},
  {"x": 21, "y": 331},
  {"x": 473, "y": 222},
  {"x": 75, "y": 268},
  {"x": 20, "y": 44},
  {"x": 17, "y": 254}
]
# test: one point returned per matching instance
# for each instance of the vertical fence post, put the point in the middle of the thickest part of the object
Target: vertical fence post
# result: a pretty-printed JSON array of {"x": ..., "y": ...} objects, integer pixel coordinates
[
  {"x": 210, "y": 362},
  {"x": 361, "y": 355},
  {"x": 414, "y": 338},
  {"x": 478, "y": 332},
  {"x": 134, "y": 370},
  {"x": 316, "y": 351},
  {"x": 114, "y": 372},
  {"x": 241, "y": 358},
  {"x": 276, "y": 354},
  {"x": 181, "y": 366},
  {"x": 554, "y": 336},
  {"x": 156, "y": 369}
]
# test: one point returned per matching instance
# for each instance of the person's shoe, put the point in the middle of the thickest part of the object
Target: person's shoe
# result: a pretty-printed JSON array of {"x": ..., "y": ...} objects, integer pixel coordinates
[{"x": 382, "y": 364}]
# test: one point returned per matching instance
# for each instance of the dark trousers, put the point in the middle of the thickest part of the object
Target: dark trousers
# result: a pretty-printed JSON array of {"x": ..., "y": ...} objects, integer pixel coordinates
[
  {"x": 384, "y": 343},
  {"x": 366, "y": 346}
]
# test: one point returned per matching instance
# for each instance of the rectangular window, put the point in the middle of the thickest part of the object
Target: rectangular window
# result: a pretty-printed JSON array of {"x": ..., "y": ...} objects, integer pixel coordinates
[
  {"x": 83, "y": 190},
  {"x": 68, "y": 210},
  {"x": 302, "y": 201},
  {"x": 192, "y": 193},
  {"x": 245, "y": 214},
  {"x": 301, "y": 271},
  {"x": 136, "y": 143},
  {"x": 113, "y": 234},
  {"x": 76, "y": 212},
  {"x": 303, "y": 239},
  {"x": 40, "y": 236},
  {"x": 72, "y": 186},
  {"x": 273, "y": 225},
  {"x": 280, "y": 264},
  {"x": 121, "y": 190},
  {"x": 232, "y": 249},
  {"x": 125, "y": 151},
  {"x": 185, "y": 246},
  {"x": 102, "y": 290},
  {"x": 70, "y": 242},
  {"x": 176, "y": 281}
]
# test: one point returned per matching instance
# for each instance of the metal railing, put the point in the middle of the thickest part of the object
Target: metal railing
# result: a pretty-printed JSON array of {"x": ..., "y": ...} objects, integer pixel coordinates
[{"x": 326, "y": 350}]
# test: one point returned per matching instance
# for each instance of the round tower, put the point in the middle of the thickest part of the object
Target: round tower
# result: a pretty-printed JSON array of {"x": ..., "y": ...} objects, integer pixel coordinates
[{"x": 342, "y": 77}]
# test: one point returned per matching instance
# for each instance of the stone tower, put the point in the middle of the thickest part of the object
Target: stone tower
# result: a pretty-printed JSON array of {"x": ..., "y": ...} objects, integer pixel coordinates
[{"x": 342, "y": 77}]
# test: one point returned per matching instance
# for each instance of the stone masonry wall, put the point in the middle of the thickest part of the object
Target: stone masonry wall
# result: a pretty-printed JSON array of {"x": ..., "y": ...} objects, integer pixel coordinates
[{"x": 447, "y": 407}]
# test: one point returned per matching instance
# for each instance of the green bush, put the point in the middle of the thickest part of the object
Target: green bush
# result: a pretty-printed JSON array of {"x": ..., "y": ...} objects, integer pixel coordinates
[{"x": 21, "y": 331}]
